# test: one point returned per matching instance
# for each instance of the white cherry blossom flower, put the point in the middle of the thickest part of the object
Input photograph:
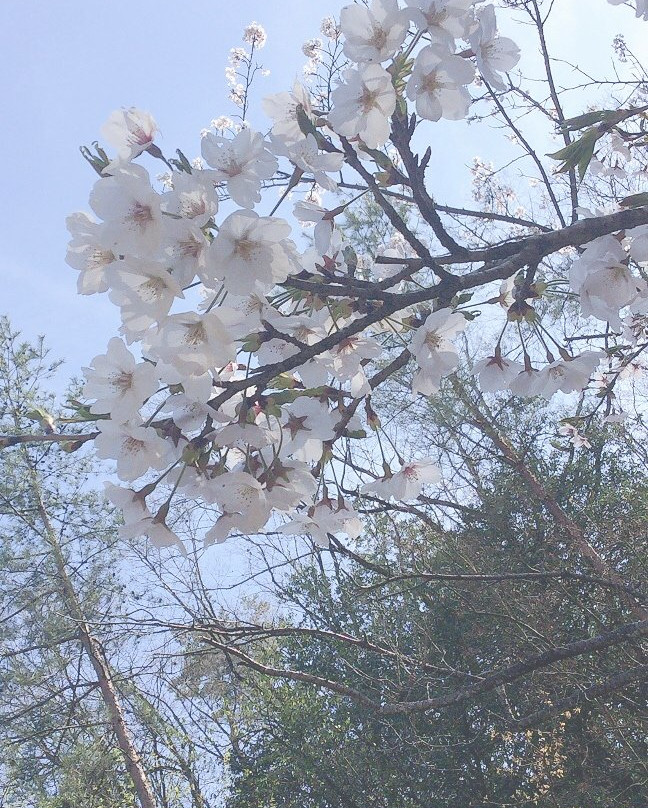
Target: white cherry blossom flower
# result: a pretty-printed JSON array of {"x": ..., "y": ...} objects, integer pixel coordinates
[
  {"x": 89, "y": 251},
  {"x": 243, "y": 163},
  {"x": 305, "y": 424},
  {"x": 156, "y": 531},
  {"x": 282, "y": 108},
  {"x": 407, "y": 483},
  {"x": 119, "y": 384},
  {"x": 131, "y": 131},
  {"x": 242, "y": 434},
  {"x": 363, "y": 104},
  {"x": 436, "y": 84},
  {"x": 305, "y": 155},
  {"x": 568, "y": 375},
  {"x": 193, "y": 343},
  {"x": 307, "y": 212},
  {"x": 131, "y": 211},
  {"x": 373, "y": 34},
  {"x": 135, "y": 448},
  {"x": 574, "y": 436},
  {"x": 329, "y": 28},
  {"x": 187, "y": 414},
  {"x": 641, "y": 10},
  {"x": 603, "y": 280},
  {"x": 144, "y": 291},
  {"x": 344, "y": 361},
  {"x": 443, "y": 20},
  {"x": 326, "y": 518},
  {"x": 289, "y": 483},
  {"x": 252, "y": 253},
  {"x": 138, "y": 520},
  {"x": 131, "y": 504},
  {"x": 496, "y": 372},
  {"x": 528, "y": 383},
  {"x": 495, "y": 54},
  {"x": 639, "y": 243},
  {"x": 185, "y": 248},
  {"x": 196, "y": 387},
  {"x": 192, "y": 197},
  {"x": 254, "y": 34},
  {"x": 243, "y": 502},
  {"x": 435, "y": 354},
  {"x": 275, "y": 350}
]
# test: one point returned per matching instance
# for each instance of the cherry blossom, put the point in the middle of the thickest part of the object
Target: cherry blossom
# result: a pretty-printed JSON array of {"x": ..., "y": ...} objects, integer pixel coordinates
[
  {"x": 435, "y": 355},
  {"x": 444, "y": 20},
  {"x": 186, "y": 249},
  {"x": 89, "y": 252},
  {"x": 603, "y": 280},
  {"x": 324, "y": 519},
  {"x": 495, "y": 54},
  {"x": 407, "y": 483},
  {"x": 144, "y": 291},
  {"x": 345, "y": 362},
  {"x": 436, "y": 84},
  {"x": 192, "y": 196},
  {"x": 243, "y": 502},
  {"x": 289, "y": 483},
  {"x": 250, "y": 384},
  {"x": 496, "y": 372},
  {"x": 130, "y": 209},
  {"x": 363, "y": 104},
  {"x": 254, "y": 34},
  {"x": 568, "y": 375},
  {"x": 282, "y": 108},
  {"x": 139, "y": 521},
  {"x": 373, "y": 34},
  {"x": 131, "y": 131},
  {"x": 119, "y": 384},
  {"x": 575, "y": 438},
  {"x": 307, "y": 212},
  {"x": 528, "y": 383},
  {"x": 305, "y": 424},
  {"x": 192, "y": 342},
  {"x": 305, "y": 155},
  {"x": 242, "y": 163},
  {"x": 252, "y": 252},
  {"x": 135, "y": 448},
  {"x": 641, "y": 7},
  {"x": 638, "y": 247}
]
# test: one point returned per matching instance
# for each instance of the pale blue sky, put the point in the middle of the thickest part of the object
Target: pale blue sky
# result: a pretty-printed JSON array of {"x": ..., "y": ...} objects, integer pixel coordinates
[{"x": 66, "y": 64}]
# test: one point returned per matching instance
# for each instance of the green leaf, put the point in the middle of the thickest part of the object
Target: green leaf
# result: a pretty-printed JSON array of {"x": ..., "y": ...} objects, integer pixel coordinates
[
  {"x": 182, "y": 164},
  {"x": 588, "y": 119},
  {"x": 380, "y": 158},
  {"x": 305, "y": 124},
  {"x": 578, "y": 154},
  {"x": 285, "y": 381},
  {"x": 44, "y": 418}
]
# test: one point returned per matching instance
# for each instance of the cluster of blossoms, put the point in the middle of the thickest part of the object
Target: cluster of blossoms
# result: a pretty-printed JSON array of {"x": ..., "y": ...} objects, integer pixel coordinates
[{"x": 255, "y": 353}]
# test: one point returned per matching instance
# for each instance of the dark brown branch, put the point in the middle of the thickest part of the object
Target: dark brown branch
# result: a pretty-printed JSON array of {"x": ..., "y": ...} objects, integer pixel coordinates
[
  {"x": 401, "y": 136},
  {"x": 635, "y": 674},
  {"x": 392, "y": 214},
  {"x": 7, "y": 441},
  {"x": 490, "y": 681},
  {"x": 509, "y": 576}
]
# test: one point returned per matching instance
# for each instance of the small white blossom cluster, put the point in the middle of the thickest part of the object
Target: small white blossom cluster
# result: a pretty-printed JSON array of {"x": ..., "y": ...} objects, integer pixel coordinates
[
  {"x": 255, "y": 35},
  {"x": 329, "y": 28},
  {"x": 239, "y": 400}
]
